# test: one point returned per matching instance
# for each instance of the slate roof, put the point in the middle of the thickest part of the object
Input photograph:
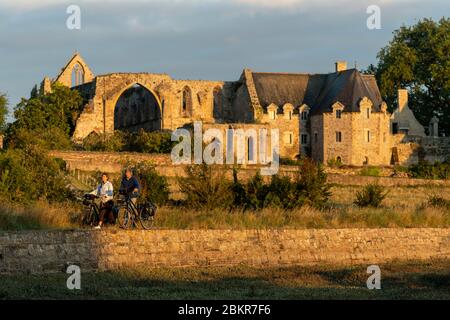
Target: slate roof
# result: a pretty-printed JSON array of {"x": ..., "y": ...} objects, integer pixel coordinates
[{"x": 318, "y": 91}]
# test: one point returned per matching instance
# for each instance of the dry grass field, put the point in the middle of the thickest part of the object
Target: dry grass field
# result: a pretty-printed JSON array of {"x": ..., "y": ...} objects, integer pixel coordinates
[{"x": 403, "y": 207}]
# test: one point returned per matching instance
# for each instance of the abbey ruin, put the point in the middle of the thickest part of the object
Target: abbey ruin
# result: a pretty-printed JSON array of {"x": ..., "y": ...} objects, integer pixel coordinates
[{"x": 339, "y": 116}]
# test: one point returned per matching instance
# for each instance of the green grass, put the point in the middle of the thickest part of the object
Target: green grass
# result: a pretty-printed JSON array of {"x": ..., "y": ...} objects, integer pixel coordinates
[
  {"x": 370, "y": 171},
  {"x": 414, "y": 280}
]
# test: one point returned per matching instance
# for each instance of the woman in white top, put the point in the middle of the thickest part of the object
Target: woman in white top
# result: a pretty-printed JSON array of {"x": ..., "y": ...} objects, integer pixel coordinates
[{"x": 105, "y": 192}]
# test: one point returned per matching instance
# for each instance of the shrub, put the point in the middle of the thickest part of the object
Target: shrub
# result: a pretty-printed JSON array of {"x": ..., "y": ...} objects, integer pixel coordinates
[
  {"x": 205, "y": 187},
  {"x": 309, "y": 187},
  {"x": 312, "y": 184},
  {"x": 150, "y": 142},
  {"x": 425, "y": 170},
  {"x": 154, "y": 187},
  {"x": 49, "y": 139},
  {"x": 440, "y": 202},
  {"x": 369, "y": 171},
  {"x": 101, "y": 142},
  {"x": 28, "y": 174},
  {"x": 371, "y": 195},
  {"x": 143, "y": 141},
  {"x": 334, "y": 163}
]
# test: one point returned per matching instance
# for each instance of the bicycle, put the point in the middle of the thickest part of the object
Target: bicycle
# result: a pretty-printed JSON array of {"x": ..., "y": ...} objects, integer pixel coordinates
[
  {"x": 91, "y": 217},
  {"x": 128, "y": 213}
]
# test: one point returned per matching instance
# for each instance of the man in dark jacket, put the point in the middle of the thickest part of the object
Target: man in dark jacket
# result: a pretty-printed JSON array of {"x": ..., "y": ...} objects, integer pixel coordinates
[{"x": 130, "y": 185}]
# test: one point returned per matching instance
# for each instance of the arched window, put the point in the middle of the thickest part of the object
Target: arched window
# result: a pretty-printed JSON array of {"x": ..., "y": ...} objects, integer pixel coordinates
[
  {"x": 186, "y": 107},
  {"x": 77, "y": 75},
  {"x": 250, "y": 149}
]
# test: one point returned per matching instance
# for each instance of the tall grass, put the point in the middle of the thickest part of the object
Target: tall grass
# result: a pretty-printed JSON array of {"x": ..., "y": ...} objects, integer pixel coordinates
[
  {"x": 303, "y": 218},
  {"x": 402, "y": 208},
  {"x": 41, "y": 215}
]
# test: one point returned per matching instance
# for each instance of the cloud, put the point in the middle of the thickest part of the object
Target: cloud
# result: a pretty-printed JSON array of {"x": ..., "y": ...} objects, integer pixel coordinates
[{"x": 25, "y": 5}]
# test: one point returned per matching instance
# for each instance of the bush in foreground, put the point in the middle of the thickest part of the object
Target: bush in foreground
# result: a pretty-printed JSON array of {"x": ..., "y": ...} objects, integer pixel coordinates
[
  {"x": 205, "y": 187},
  {"x": 154, "y": 187},
  {"x": 28, "y": 174},
  {"x": 372, "y": 195}
]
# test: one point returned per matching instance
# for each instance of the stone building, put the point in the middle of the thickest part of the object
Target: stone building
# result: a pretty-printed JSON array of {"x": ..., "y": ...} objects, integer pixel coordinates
[{"x": 339, "y": 116}]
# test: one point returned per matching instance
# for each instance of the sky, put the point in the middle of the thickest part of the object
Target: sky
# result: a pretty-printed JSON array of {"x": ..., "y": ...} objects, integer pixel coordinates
[{"x": 195, "y": 39}]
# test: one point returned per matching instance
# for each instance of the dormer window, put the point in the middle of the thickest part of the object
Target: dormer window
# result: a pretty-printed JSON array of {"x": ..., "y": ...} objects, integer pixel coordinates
[
  {"x": 338, "y": 114},
  {"x": 272, "y": 114},
  {"x": 304, "y": 115}
]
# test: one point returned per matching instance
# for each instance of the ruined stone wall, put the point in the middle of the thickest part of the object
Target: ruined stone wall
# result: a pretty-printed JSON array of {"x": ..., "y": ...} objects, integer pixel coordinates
[
  {"x": 53, "y": 251},
  {"x": 208, "y": 101},
  {"x": 412, "y": 149}
]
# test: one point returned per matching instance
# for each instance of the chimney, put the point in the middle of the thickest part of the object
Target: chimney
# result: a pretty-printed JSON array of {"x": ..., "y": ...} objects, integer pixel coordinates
[
  {"x": 341, "y": 66},
  {"x": 402, "y": 99}
]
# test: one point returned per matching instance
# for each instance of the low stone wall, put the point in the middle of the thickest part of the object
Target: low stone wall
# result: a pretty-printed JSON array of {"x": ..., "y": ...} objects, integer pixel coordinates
[
  {"x": 113, "y": 162},
  {"x": 52, "y": 251},
  {"x": 342, "y": 179}
]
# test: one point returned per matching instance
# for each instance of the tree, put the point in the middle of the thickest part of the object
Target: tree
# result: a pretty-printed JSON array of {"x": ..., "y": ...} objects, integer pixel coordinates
[
  {"x": 3, "y": 111},
  {"x": 418, "y": 58},
  {"x": 58, "y": 109}
]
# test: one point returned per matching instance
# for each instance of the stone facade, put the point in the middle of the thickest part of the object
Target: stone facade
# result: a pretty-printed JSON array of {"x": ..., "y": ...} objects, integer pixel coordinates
[
  {"x": 53, "y": 251},
  {"x": 338, "y": 116},
  {"x": 353, "y": 138}
]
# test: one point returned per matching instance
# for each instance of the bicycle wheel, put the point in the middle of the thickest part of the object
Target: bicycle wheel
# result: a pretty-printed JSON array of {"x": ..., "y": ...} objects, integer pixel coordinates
[
  {"x": 124, "y": 218},
  {"x": 147, "y": 217},
  {"x": 90, "y": 218}
]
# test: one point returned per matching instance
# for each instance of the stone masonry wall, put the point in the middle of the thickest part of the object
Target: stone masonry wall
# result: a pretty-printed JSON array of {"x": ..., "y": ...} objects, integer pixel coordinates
[
  {"x": 113, "y": 162},
  {"x": 52, "y": 251}
]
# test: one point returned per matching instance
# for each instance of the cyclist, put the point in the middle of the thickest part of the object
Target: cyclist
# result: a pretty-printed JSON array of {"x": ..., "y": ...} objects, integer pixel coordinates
[
  {"x": 105, "y": 201},
  {"x": 130, "y": 185}
]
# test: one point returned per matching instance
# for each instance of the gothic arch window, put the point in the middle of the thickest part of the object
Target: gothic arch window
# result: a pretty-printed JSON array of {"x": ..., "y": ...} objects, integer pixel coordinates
[
  {"x": 186, "y": 105},
  {"x": 251, "y": 150},
  {"x": 77, "y": 77}
]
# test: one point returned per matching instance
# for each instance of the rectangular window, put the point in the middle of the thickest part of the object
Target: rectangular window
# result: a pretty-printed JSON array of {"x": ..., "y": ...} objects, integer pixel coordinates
[
  {"x": 338, "y": 114},
  {"x": 304, "y": 116},
  {"x": 288, "y": 138},
  {"x": 368, "y": 113},
  {"x": 367, "y": 135},
  {"x": 272, "y": 115},
  {"x": 394, "y": 128},
  {"x": 304, "y": 139},
  {"x": 338, "y": 136},
  {"x": 289, "y": 115}
]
